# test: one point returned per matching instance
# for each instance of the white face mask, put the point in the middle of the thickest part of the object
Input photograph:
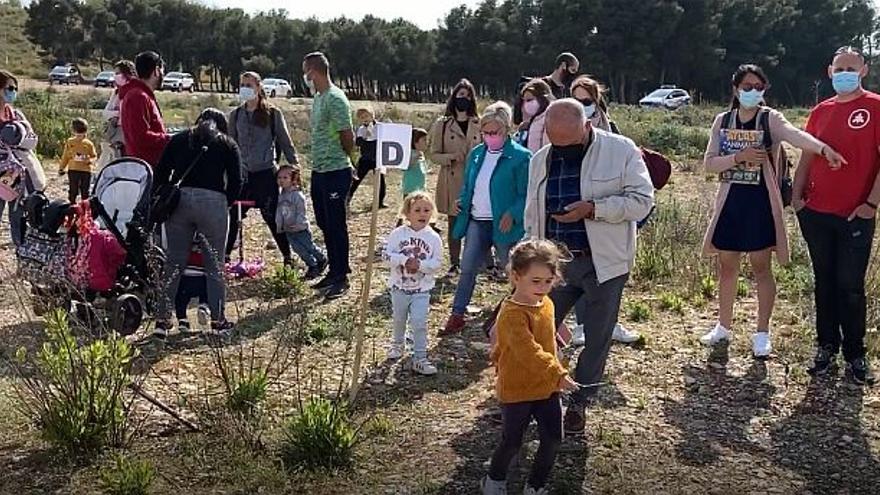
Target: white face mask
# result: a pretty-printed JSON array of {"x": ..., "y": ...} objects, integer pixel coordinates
[
  {"x": 309, "y": 83},
  {"x": 246, "y": 94}
]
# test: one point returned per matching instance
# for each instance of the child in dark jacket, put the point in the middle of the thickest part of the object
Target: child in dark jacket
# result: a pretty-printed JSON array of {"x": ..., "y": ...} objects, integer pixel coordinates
[
  {"x": 193, "y": 285},
  {"x": 365, "y": 139},
  {"x": 292, "y": 221}
]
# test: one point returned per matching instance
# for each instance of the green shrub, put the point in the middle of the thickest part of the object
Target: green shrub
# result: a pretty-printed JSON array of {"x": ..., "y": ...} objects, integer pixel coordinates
[
  {"x": 75, "y": 392},
  {"x": 128, "y": 477},
  {"x": 285, "y": 282},
  {"x": 672, "y": 302},
  {"x": 249, "y": 392},
  {"x": 708, "y": 287},
  {"x": 638, "y": 312},
  {"x": 320, "y": 437},
  {"x": 50, "y": 115},
  {"x": 742, "y": 288}
]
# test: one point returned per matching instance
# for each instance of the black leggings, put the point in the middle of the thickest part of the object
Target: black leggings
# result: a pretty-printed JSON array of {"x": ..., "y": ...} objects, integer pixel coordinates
[
  {"x": 262, "y": 188},
  {"x": 516, "y": 417},
  {"x": 79, "y": 184},
  {"x": 363, "y": 168}
]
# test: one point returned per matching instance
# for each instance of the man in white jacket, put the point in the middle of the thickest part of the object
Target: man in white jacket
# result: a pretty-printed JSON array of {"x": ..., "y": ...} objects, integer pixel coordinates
[{"x": 586, "y": 192}]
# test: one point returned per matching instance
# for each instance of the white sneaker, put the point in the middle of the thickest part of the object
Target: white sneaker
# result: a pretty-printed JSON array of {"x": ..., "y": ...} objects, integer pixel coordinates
[
  {"x": 203, "y": 315},
  {"x": 395, "y": 352},
  {"x": 761, "y": 344},
  {"x": 716, "y": 335},
  {"x": 623, "y": 335},
  {"x": 533, "y": 491},
  {"x": 488, "y": 486},
  {"x": 577, "y": 336},
  {"x": 424, "y": 367}
]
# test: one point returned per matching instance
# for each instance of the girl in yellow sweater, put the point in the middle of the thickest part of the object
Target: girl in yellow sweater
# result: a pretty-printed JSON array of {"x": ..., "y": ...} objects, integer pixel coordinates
[
  {"x": 529, "y": 374},
  {"x": 79, "y": 155}
]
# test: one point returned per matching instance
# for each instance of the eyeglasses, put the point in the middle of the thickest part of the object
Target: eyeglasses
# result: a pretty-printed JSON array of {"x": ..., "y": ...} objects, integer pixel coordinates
[
  {"x": 750, "y": 87},
  {"x": 11, "y": 88}
]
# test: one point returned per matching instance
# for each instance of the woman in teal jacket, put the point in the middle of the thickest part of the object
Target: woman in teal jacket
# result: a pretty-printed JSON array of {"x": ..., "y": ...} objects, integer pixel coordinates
[{"x": 492, "y": 204}]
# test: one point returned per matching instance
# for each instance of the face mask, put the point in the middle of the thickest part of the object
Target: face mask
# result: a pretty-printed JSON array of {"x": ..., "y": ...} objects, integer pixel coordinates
[
  {"x": 494, "y": 143},
  {"x": 309, "y": 83},
  {"x": 531, "y": 107},
  {"x": 462, "y": 104},
  {"x": 750, "y": 99},
  {"x": 845, "y": 82},
  {"x": 120, "y": 80},
  {"x": 9, "y": 96},
  {"x": 246, "y": 94},
  {"x": 590, "y": 110},
  {"x": 568, "y": 77}
]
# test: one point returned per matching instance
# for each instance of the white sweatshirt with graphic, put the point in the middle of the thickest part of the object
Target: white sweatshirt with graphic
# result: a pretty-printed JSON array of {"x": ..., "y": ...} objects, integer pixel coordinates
[{"x": 405, "y": 243}]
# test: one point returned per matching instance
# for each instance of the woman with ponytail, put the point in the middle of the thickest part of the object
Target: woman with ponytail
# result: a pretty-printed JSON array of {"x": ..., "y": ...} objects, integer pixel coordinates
[
  {"x": 261, "y": 133},
  {"x": 208, "y": 160},
  {"x": 749, "y": 206}
]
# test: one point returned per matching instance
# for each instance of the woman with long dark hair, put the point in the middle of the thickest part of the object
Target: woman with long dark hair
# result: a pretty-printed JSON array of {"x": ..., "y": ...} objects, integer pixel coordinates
[
  {"x": 748, "y": 207},
  {"x": 451, "y": 139},
  {"x": 534, "y": 99},
  {"x": 206, "y": 192}
]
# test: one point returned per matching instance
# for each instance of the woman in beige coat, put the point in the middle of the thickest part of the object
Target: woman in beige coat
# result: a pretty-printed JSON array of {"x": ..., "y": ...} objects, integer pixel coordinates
[
  {"x": 748, "y": 208},
  {"x": 451, "y": 138}
]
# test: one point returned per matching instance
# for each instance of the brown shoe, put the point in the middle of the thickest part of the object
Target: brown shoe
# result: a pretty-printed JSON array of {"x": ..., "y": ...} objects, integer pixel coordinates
[
  {"x": 574, "y": 421},
  {"x": 454, "y": 324}
]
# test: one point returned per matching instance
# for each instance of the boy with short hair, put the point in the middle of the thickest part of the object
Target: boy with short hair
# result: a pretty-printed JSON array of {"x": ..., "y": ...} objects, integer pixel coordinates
[{"x": 77, "y": 159}]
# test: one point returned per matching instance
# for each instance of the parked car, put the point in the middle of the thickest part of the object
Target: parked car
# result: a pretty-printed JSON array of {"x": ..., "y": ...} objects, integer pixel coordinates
[
  {"x": 178, "y": 81},
  {"x": 105, "y": 79},
  {"x": 65, "y": 74},
  {"x": 669, "y": 97},
  {"x": 277, "y": 87}
]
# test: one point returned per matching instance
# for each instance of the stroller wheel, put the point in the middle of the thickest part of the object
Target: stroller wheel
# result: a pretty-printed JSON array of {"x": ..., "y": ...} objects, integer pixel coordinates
[{"x": 126, "y": 314}]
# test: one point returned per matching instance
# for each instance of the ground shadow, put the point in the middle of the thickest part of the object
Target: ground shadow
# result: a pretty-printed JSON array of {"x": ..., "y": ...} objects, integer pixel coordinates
[
  {"x": 29, "y": 335},
  {"x": 824, "y": 442},
  {"x": 54, "y": 468}
]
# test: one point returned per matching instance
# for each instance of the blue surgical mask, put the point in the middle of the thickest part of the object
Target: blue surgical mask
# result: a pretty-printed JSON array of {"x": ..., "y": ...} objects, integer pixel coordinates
[
  {"x": 246, "y": 94},
  {"x": 590, "y": 110},
  {"x": 750, "y": 99},
  {"x": 9, "y": 96},
  {"x": 845, "y": 82}
]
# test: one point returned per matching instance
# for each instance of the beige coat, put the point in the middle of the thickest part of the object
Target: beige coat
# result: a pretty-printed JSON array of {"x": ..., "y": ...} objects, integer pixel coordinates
[
  {"x": 448, "y": 147},
  {"x": 780, "y": 130}
]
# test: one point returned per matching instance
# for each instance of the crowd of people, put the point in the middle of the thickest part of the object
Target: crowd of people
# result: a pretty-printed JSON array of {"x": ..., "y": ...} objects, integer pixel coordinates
[{"x": 547, "y": 194}]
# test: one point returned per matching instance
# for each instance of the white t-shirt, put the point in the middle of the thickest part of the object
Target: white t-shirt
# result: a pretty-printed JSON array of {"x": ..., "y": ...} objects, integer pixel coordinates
[
  {"x": 481, "y": 205},
  {"x": 405, "y": 243}
]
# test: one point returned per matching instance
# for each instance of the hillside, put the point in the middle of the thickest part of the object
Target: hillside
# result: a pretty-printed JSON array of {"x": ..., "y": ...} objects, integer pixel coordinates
[{"x": 19, "y": 55}]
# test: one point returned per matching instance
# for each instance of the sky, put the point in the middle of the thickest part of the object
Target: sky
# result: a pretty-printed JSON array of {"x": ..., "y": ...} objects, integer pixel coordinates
[{"x": 425, "y": 14}]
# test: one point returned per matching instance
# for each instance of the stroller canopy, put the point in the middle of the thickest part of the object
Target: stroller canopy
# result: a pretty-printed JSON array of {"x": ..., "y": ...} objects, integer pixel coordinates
[{"x": 123, "y": 188}]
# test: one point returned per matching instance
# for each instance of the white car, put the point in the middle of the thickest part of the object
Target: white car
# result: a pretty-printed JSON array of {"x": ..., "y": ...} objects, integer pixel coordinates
[
  {"x": 669, "y": 97},
  {"x": 277, "y": 87},
  {"x": 178, "y": 81}
]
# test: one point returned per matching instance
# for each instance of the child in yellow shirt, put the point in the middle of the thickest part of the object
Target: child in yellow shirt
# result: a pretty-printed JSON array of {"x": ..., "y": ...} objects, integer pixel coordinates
[
  {"x": 530, "y": 377},
  {"x": 79, "y": 155}
]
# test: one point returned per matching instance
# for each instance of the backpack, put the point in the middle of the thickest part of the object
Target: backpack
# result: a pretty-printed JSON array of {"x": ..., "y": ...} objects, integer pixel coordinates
[
  {"x": 659, "y": 167},
  {"x": 785, "y": 181},
  {"x": 12, "y": 174}
]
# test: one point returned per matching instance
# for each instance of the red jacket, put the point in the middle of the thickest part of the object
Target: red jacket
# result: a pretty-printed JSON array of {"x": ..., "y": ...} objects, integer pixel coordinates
[{"x": 142, "y": 125}]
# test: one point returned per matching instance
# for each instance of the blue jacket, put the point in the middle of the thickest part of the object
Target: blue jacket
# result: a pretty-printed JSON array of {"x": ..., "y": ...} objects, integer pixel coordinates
[{"x": 507, "y": 191}]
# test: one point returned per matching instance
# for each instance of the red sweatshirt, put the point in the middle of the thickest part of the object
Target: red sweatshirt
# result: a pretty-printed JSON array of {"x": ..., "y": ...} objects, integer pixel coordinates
[{"x": 142, "y": 125}]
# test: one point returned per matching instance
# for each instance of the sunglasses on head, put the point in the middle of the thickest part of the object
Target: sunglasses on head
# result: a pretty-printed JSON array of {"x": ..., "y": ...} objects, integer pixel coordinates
[{"x": 756, "y": 87}]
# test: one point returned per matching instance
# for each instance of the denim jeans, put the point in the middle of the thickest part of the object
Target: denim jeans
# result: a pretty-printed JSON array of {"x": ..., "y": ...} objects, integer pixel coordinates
[
  {"x": 203, "y": 211},
  {"x": 414, "y": 307},
  {"x": 840, "y": 251},
  {"x": 477, "y": 245},
  {"x": 303, "y": 245},
  {"x": 329, "y": 197}
]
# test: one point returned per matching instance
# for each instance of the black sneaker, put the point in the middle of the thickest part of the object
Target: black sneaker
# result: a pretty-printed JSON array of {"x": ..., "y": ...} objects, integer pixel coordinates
[
  {"x": 222, "y": 328},
  {"x": 326, "y": 283},
  {"x": 322, "y": 265},
  {"x": 312, "y": 273},
  {"x": 859, "y": 371},
  {"x": 160, "y": 331},
  {"x": 574, "y": 421},
  {"x": 337, "y": 290},
  {"x": 824, "y": 361},
  {"x": 183, "y": 326}
]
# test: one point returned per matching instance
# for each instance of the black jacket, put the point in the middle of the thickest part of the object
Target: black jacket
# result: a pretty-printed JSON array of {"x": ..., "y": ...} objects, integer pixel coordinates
[{"x": 218, "y": 169}]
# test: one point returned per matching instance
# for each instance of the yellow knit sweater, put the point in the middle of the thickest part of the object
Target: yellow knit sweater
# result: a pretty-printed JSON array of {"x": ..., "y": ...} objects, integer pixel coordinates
[
  {"x": 79, "y": 154},
  {"x": 525, "y": 353}
]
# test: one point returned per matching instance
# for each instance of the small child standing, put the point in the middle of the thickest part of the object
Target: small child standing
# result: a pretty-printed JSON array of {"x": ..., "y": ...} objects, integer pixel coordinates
[
  {"x": 414, "y": 254},
  {"x": 414, "y": 176},
  {"x": 529, "y": 374},
  {"x": 365, "y": 139},
  {"x": 77, "y": 159},
  {"x": 292, "y": 220},
  {"x": 193, "y": 285}
]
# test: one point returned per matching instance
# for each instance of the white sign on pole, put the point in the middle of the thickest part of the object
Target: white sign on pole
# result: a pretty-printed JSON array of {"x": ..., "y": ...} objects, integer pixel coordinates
[{"x": 393, "y": 146}]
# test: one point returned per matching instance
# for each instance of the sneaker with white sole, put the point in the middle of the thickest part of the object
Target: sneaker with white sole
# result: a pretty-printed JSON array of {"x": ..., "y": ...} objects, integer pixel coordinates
[
  {"x": 488, "y": 486},
  {"x": 395, "y": 352},
  {"x": 623, "y": 335},
  {"x": 203, "y": 315},
  {"x": 577, "y": 336},
  {"x": 424, "y": 367},
  {"x": 761, "y": 347},
  {"x": 716, "y": 335},
  {"x": 534, "y": 491}
]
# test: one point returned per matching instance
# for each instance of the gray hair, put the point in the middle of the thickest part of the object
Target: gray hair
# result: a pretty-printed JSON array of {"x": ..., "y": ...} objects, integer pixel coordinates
[
  {"x": 567, "y": 109},
  {"x": 499, "y": 112}
]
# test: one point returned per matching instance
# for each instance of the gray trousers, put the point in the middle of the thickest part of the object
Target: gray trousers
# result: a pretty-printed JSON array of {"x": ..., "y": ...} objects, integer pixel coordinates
[
  {"x": 206, "y": 212},
  {"x": 602, "y": 303}
]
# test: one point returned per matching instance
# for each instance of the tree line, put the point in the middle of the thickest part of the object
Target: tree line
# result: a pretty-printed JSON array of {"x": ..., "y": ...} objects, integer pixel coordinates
[{"x": 631, "y": 45}]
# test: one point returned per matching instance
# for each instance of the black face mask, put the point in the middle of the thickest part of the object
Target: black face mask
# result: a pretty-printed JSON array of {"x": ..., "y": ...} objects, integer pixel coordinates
[
  {"x": 462, "y": 104},
  {"x": 568, "y": 77}
]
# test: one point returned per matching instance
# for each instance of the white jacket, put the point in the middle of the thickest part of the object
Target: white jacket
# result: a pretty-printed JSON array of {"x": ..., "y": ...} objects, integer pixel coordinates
[
  {"x": 614, "y": 177},
  {"x": 404, "y": 243}
]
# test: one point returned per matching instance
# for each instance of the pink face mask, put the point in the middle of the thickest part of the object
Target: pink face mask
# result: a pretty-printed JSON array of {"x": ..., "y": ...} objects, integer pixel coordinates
[
  {"x": 530, "y": 107},
  {"x": 494, "y": 143}
]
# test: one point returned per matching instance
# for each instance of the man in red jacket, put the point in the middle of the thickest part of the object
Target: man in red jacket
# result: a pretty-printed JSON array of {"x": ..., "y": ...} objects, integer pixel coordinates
[{"x": 142, "y": 125}]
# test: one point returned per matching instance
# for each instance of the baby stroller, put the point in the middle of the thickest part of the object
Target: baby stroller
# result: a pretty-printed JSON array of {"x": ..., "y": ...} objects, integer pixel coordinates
[{"x": 118, "y": 216}]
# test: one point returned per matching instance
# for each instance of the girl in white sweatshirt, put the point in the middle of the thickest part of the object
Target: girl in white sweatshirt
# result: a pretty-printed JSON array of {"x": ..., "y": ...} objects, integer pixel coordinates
[{"x": 414, "y": 254}]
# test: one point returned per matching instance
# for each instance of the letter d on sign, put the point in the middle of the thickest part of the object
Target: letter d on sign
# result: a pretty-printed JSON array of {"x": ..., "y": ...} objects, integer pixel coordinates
[
  {"x": 394, "y": 145},
  {"x": 392, "y": 154}
]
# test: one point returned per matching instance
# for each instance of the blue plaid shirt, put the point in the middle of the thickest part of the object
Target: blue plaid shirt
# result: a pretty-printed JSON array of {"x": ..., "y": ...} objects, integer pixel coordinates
[{"x": 563, "y": 189}]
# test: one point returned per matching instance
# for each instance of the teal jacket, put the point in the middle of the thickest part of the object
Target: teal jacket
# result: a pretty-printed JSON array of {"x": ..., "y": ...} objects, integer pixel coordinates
[{"x": 507, "y": 191}]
